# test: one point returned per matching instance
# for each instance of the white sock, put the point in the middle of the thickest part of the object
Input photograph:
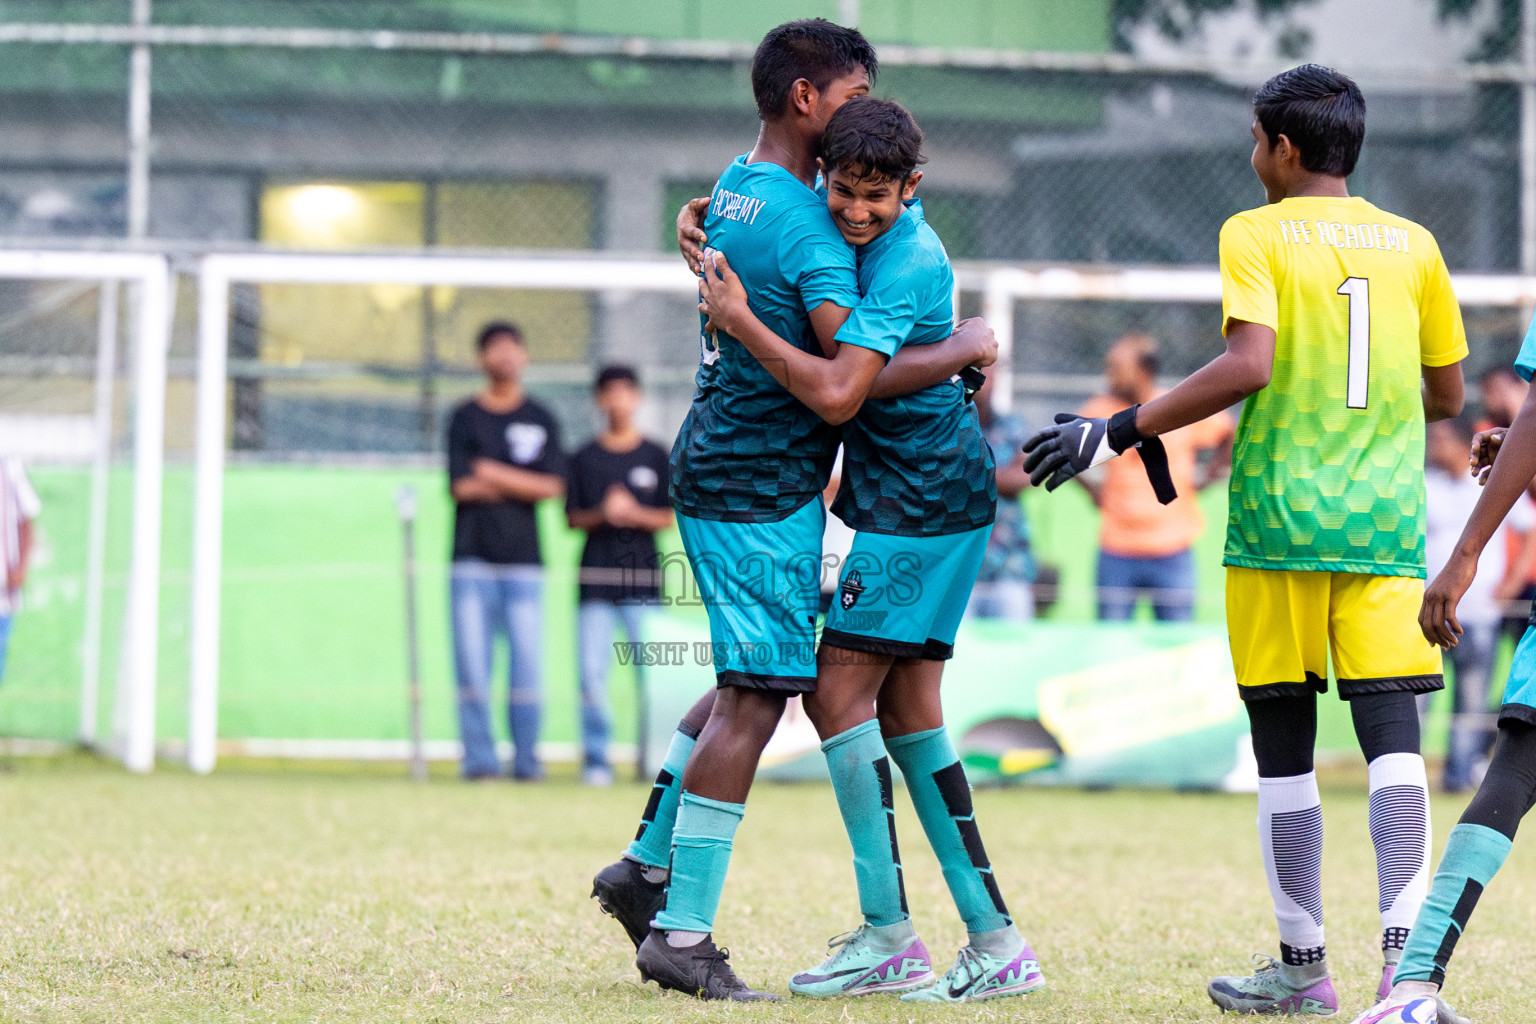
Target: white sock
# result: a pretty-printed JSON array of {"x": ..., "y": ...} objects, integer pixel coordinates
[
  {"x": 1400, "y": 831},
  {"x": 1003, "y": 943},
  {"x": 679, "y": 940},
  {"x": 893, "y": 937},
  {"x": 1291, "y": 838}
]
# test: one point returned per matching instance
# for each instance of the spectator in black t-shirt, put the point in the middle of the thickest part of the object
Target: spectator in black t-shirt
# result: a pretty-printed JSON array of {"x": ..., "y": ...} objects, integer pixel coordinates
[
  {"x": 618, "y": 495},
  {"x": 504, "y": 456}
]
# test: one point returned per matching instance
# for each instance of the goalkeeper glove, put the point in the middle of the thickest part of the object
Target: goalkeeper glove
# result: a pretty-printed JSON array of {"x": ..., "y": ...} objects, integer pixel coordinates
[
  {"x": 971, "y": 379},
  {"x": 1075, "y": 444}
]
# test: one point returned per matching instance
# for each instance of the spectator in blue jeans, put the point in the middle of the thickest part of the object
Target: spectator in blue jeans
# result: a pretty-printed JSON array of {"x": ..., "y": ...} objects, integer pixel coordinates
[
  {"x": 504, "y": 457},
  {"x": 617, "y": 494}
]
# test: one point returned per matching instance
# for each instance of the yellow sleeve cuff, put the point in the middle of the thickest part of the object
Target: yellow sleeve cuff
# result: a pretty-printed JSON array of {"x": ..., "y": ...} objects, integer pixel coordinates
[
  {"x": 1456, "y": 355},
  {"x": 1263, "y": 318}
]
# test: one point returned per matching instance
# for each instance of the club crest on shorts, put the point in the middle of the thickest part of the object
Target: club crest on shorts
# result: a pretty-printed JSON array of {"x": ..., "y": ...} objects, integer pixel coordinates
[{"x": 853, "y": 586}]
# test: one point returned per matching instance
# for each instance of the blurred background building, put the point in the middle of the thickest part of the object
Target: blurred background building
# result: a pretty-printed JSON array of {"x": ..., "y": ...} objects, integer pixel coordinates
[{"x": 1053, "y": 136}]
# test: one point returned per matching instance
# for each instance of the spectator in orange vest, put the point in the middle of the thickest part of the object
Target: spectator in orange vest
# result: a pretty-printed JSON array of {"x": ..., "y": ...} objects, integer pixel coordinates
[{"x": 1145, "y": 547}]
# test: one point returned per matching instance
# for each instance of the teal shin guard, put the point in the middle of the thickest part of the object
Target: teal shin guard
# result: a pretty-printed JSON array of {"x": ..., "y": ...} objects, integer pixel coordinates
[
  {"x": 942, "y": 795},
  {"x": 861, "y": 778},
  {"x": 1473, "y": 855},
  {"x": 701, "y": 853},
  {"x": 653, "y": 842}
]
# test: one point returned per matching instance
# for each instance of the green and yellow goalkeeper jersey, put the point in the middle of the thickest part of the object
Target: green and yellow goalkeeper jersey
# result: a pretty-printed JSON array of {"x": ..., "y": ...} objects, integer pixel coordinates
[{"x": 1328, "y": 466}]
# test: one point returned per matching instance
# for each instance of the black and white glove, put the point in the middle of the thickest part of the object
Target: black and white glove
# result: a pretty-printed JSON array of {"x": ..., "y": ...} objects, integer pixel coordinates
[
  {"x": 971, "y": 379},
  {"x": 1076, "y": 444}
]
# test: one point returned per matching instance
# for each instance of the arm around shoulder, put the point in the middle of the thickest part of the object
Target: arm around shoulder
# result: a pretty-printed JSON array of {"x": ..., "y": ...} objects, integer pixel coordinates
[
  {"x": 916, "y": 367},
  {"x": 833, "y": 387}
]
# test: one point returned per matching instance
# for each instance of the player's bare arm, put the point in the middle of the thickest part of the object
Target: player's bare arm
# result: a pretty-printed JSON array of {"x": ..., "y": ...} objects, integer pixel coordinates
[
  {"x": 690, "y": 232},
  {"x": 921, "y": 366},
  {"x": 1075, "y": 444},
  {"x": 1444, "y": 392},
  {"x": 826, "y": 320},
  {"x": 1243, "y": 369},
  {"x": 1506, "y": 482},
  {"x": 832, "y": 388},
  {"x": 1485, "y": 448}
]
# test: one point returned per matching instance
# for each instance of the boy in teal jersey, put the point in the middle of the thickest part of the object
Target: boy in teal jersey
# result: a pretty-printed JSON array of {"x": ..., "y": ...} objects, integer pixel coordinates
[
  {"x": 1505, "y": 458},
  {"x": 919, "y": 488},
  {"x": 747, "y": 470}
]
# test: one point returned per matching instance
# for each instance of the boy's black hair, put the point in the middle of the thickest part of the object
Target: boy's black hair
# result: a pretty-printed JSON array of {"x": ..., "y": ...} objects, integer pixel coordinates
[
  {"x": 615, "y": 372},
  {"x": 1321, "y": 111},
  {"x": 813, "y": 49},
  {"x": 497, "y": 327},
  {"x": 875, "y": 138}
]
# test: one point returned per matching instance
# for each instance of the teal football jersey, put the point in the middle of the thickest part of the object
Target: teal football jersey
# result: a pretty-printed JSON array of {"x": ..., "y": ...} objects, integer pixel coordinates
[
  {"x": 749, "y": 451},
  {"x": 917, "y": 465}
]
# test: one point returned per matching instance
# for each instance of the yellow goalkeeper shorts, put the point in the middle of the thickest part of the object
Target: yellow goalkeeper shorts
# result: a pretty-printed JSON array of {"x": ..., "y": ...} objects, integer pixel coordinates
[{"x": 1283, "y": 624}]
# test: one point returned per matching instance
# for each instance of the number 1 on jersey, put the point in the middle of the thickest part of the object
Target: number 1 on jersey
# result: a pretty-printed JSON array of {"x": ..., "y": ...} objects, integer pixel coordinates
[{"x": 1357, "y": 388}]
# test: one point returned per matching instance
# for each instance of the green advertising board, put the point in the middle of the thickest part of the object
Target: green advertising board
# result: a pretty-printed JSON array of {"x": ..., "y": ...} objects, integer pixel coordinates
[{"x": 1068, "y": 703}]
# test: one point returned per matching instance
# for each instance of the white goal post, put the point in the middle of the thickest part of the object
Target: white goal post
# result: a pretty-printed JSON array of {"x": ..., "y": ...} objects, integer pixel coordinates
[
  {"x": 134, "y": 739},
  {"x": 1000, "y": 289},
  {"x": 218, "y": 273}
]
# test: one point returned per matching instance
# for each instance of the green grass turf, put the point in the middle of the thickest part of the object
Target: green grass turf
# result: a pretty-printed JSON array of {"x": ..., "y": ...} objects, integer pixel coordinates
[{"x": 279, "y": 894}]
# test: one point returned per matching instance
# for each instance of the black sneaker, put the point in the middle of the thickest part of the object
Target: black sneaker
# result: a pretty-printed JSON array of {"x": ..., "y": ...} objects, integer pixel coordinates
[
  {"x": 700, "y": 971},
  {"x": 624, "y": 894}
]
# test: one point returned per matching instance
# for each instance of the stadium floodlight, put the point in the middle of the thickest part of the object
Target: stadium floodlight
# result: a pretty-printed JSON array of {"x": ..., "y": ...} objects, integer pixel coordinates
[
  {"x": 134, "y": 732},
  {"x": 221, "y": 270}
]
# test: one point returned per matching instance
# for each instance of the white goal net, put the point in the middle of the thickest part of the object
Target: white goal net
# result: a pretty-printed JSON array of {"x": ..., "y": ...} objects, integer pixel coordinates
[
  {"x": 85, "y": 416},
  {"x": 313, "y": 386}
]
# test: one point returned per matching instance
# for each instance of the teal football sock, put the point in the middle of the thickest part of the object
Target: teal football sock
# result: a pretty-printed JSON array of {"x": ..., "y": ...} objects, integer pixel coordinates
[
  {"x": 1473, "y": 855},
  {"x": 942, "y": 795},
  {"x": 701, "y": 853},
  {"x": 861, "y": 779},
  {"x": 653, "y": 842}
]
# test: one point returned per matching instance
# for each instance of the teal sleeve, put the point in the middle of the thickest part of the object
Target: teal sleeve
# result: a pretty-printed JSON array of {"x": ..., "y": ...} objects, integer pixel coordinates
[
  {"x": 1525, "y": 362},
  {"x": 814, "y": 256},
  {"x": 882, "y": 321}
]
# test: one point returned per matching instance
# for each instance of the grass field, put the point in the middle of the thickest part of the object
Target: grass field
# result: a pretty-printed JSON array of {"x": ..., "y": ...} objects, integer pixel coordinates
[{"x": 348, "y": 894}]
